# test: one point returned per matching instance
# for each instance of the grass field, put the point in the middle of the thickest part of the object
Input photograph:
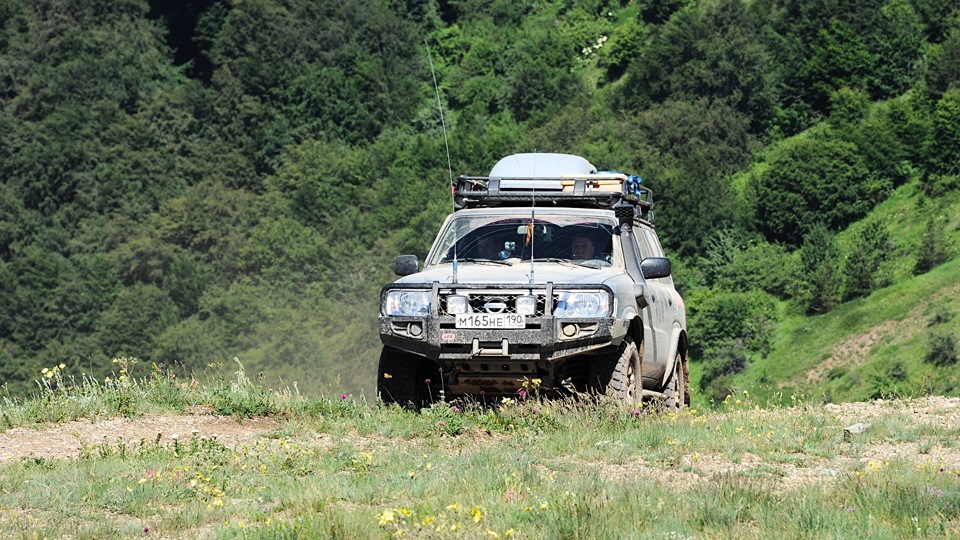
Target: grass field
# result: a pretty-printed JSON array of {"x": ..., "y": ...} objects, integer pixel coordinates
[{"x": 341, "y": 467}]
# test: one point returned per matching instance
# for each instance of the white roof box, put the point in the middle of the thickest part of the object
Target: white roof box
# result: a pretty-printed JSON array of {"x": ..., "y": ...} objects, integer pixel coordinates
[{"x": 536, "y": 165}]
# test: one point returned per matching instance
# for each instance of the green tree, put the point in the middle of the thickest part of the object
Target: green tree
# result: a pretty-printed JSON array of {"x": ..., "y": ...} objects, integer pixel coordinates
[
  {"x": 138, "y": 315},
  {"x": 736, "y": 261},
  {"x": 869, "y": 248},
  {"x": 538, "y": 78},
  {"x": 685, "y": 151},
  {"x": 944, "y": 152},
  {"x": 943, "y": 73},
  {"x": 839, "y": 57},
  {"x": 812, "y": 180},
  {"x": 820, "y": 261},
  {"x": 724, "y": 316},
  {"x": 334, "y": 69},
  {"x": 710, "y": 51},
  {"x": 900, "y": 45},
  {"x": 934, "y": 248}
]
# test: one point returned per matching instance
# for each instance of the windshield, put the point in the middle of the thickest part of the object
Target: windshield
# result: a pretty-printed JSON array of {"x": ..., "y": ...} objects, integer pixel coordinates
[{"x": 587, "y": 240}]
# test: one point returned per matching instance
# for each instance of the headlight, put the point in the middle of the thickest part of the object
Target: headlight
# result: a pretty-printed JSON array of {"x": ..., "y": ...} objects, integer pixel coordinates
[
  {"x": 583, "y": 304},
  {"x": 403, "y": 302},
  {"x": 457, "y": 304}
]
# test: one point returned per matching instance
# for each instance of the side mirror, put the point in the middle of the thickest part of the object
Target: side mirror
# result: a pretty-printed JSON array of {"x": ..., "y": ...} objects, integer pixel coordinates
[
  {"x": 655, "y": 267},
  {"x": 406, "y": 265}
]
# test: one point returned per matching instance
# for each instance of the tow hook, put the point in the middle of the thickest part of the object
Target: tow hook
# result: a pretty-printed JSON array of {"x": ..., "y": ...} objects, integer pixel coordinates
[{"x": 504, "y": 349}]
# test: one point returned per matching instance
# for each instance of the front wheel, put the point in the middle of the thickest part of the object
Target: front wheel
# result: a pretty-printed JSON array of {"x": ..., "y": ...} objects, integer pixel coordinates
[
  {"x": 619, "y": 374},
  {"x": 406, "y": 379}
]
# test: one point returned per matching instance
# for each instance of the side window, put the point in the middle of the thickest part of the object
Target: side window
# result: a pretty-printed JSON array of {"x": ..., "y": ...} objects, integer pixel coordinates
[
  {"x": 654, "y": 243},
  {"x": 643, "y": 243}
]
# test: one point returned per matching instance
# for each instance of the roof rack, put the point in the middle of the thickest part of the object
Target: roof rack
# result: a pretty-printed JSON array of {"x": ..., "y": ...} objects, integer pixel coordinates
[{"x": 620, "y": 192}]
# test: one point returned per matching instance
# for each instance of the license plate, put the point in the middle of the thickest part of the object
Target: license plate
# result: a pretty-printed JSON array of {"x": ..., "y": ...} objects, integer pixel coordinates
[{"x": 491, "y": 320}]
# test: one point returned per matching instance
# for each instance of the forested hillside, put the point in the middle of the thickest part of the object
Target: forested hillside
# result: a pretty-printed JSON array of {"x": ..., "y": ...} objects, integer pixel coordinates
[{"x": 188, "y": 183}]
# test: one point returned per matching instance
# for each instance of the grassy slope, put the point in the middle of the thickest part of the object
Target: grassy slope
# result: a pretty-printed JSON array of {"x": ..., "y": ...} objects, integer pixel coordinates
[
  {"x": 874, "y": 346},
  {"x": 343, "y": 468}
]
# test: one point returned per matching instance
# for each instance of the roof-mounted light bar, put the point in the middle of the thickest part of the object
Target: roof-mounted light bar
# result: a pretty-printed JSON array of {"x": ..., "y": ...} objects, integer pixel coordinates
[{"x": 596, "y": 190}]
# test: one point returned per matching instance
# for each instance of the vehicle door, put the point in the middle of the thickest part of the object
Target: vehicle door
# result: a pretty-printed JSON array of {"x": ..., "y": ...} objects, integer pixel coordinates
[{"x": 661, "y": 298}]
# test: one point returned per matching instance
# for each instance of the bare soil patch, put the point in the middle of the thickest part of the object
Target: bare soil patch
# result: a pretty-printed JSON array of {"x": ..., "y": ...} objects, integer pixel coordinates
[
  {"x": 802, "y": 470},
  {"x": 65, "y": 441}
]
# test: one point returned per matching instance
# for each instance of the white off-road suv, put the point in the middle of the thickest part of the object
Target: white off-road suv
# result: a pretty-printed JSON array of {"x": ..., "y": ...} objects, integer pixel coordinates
[{"x": 547, "y": 271}]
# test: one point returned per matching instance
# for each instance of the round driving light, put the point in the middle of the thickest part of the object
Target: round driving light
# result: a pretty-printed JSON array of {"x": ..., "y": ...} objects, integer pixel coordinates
[
  {"x": 569, "y": 330},
  {"x": 457, "y": 304},
  {"x": 415, "y": 329},
  {"x": 526, "y": 305}
]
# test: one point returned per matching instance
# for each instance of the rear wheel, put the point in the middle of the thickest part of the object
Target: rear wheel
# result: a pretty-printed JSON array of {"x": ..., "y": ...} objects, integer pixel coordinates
[
  {"x": 677, "y": 393},
  {"x": 406, "y": 379},
  {"x": 618, "y": 374}
]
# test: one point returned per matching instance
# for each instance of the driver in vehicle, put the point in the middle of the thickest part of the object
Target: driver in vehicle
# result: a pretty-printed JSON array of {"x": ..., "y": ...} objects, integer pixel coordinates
[{"x": 581, "y": 247}]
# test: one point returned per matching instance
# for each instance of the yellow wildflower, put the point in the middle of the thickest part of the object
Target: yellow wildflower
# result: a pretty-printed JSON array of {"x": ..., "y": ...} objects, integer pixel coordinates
[{"x": 387, "y": 517}]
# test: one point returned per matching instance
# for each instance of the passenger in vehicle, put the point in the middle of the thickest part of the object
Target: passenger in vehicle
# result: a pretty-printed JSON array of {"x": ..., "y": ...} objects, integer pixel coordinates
[{"x": 489, "y": 248}]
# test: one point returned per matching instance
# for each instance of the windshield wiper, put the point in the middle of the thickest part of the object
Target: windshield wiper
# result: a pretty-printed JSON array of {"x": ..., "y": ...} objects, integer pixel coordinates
[
  {"x": 596, "y": 264},
  {"x": 477, "y": 260},
  {"x": 586, "y": 263}
]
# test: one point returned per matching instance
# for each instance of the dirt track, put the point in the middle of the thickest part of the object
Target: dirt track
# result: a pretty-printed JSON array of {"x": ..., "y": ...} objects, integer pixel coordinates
[{"x": 67, "y": 441}]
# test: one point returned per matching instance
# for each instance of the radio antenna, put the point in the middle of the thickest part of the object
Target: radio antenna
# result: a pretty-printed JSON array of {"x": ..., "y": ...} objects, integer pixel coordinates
[
  {"x": 446, "y": 145},
  {"x": 443, "y": 123},
  {"x": 532, "y": 230}
]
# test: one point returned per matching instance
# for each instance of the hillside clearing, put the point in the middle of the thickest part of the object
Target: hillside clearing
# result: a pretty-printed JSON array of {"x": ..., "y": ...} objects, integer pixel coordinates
[{"x": 69, "y": 441}]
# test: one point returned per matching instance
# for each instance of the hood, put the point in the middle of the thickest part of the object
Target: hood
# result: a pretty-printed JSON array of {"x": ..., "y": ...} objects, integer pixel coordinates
[{"x": 519, "y": 273}]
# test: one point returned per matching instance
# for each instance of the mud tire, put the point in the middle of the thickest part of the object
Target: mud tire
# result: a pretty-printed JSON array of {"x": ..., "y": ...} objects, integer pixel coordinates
[
  {"x": 676, "y": 395},
  {"x": 402, "y": 379},
  {"x": 618, "y": 374}
]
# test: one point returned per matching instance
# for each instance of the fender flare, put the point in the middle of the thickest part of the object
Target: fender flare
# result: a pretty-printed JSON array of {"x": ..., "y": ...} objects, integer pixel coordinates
[{"x": 678, "y": 342}]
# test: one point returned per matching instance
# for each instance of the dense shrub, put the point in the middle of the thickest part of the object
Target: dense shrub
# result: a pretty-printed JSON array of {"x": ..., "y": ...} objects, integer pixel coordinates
[
  {"x": 723, "y": 316},
  {"x": 727, "y": 359},
  {"x": 744, "y": 264},
  {"x": 812, "y": 181},
  {"x": 943, "y": 349}
]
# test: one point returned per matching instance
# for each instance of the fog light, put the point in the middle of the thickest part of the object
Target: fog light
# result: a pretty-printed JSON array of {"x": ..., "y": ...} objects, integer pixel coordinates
[
  {"x": 457, "y": 304},
  {"x": 526, "y": 305},
  {"x": 569, "y": 330},
  {"x": 415, "y": 329}
]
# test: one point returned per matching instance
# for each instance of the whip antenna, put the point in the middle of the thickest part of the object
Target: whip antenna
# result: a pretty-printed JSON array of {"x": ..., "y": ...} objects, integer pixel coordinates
[
  {"x": 443, "y": 124},
  {"x": 532, "y": 231},
  {"x": 446, "y": 145}
]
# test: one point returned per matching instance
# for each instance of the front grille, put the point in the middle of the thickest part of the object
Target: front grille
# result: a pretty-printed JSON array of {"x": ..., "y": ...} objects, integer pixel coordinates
[{"x": 487, "y": 302}]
